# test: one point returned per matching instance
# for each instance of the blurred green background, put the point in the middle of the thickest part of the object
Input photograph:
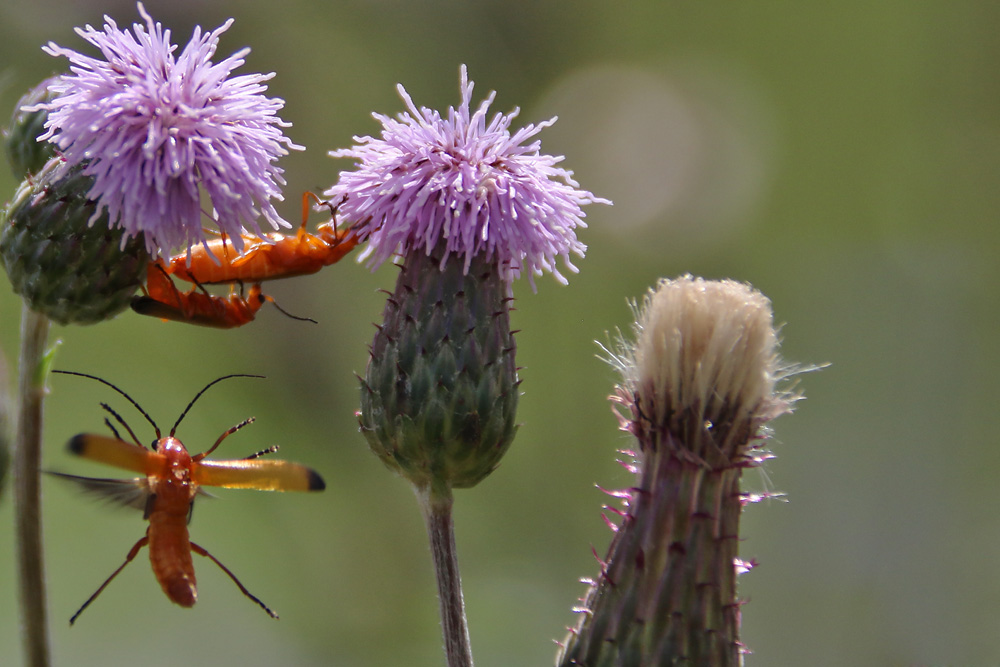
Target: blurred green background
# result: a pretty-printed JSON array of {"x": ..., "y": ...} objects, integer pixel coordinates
[{"x": 841, "y": 157}]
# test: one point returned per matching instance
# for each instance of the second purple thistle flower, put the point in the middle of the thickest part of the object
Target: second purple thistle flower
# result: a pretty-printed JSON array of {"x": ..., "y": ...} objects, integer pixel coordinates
[
  {"x": 469, "y": 206},
  {"x": 157, "y": 129},
  {"x": 466, "y": 183}
]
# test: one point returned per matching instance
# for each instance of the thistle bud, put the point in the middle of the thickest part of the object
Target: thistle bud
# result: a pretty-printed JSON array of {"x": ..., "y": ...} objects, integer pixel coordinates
[
  {"x": 65, "y": 263},
  {"x": 25, "y": 153},
  {"x": 698, "y": 388},
  {"x": 440, "y": 395}
]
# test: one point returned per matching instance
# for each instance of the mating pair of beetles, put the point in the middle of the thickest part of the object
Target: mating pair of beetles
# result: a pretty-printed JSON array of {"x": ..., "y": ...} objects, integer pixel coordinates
[{"x": 269, "y": 257}]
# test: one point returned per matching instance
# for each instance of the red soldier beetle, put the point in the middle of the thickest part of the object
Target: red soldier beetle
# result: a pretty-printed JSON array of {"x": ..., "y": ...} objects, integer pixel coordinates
[
  {"x": 269, "y": 257},
  {"x": 196, "y": 306},
  {"x": 172, "y": 479}
]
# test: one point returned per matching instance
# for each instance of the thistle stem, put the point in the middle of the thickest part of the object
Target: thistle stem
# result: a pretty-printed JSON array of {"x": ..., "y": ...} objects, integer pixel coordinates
[
  {"x": 435, "y": 504},
  {"x": 26, "y": 466},
  {"x": 6, "y": 415}
]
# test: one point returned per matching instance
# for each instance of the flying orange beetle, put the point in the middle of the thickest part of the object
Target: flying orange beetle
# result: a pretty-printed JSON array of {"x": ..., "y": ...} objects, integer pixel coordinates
[
  {"x": 270, "y": 257},
  {"x": 166, "y": 493}
]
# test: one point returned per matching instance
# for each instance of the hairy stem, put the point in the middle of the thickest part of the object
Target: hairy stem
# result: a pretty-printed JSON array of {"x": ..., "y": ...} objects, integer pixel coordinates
[
  {"x": 436, "y": 507},
  {"x": 27, "y": 488}
]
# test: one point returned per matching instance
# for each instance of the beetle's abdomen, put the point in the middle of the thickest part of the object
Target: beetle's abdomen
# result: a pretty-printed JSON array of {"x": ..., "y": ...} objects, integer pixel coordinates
[{"x": 170, "y": 556}]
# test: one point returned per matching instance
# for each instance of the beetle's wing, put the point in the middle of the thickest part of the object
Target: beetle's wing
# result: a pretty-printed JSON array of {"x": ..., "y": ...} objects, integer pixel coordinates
[
  {"x": 113, "y": 452},
  {"x": 124, "y": 492},
  {"x": 259, "y": 474}
]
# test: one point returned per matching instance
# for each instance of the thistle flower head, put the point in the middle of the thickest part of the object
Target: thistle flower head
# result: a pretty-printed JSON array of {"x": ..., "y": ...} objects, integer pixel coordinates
[
  {"x": 155, "y": 129},
  {"x": 705, "y": 349},
  {"x": 466, "y": 183},
  {"x": 469, "y": 206}
]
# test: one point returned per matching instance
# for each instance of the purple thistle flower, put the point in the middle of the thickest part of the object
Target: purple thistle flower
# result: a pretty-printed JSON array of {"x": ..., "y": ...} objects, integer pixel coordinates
[
  {"x": 156, "y": 129},
  {"x": 469, "y": 206},
  {"x": 473, "y": 186}
]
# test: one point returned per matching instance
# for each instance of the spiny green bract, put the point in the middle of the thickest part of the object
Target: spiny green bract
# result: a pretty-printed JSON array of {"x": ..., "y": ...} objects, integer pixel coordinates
[
  {"x": 440, "y": 395},
  {"x": 64, "y": 267}
]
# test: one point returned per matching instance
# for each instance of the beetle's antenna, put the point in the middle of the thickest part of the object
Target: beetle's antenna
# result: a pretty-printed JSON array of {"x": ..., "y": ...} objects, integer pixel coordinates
[
  {"x": 129, "y": 398},
  {"x": 198, "y": 395},
  {"x": 285, "y": 312}
]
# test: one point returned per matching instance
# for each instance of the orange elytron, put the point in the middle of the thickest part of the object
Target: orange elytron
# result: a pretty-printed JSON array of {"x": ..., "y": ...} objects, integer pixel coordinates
[{"x": 166, "y": 493}]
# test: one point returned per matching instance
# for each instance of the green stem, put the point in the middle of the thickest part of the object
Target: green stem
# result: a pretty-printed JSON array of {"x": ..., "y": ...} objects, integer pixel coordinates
[
  {"x": 26, "y": 468},
  {"x": 6, "y": 414},
  {"x": 435, "y": 504}
]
